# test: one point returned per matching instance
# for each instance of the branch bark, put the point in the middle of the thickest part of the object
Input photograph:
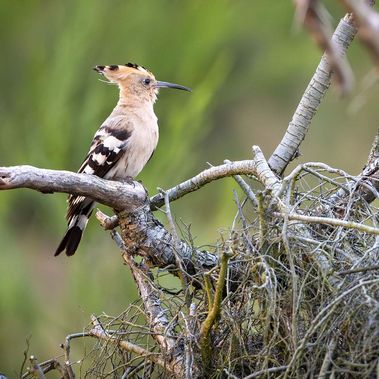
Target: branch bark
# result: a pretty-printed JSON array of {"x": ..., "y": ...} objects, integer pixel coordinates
[
  {"x": 163, "y": 332},
  {"x": 144, "y": 235},
  {"x": 288, "y": 148},
  {"x": 117, "y": 195}
]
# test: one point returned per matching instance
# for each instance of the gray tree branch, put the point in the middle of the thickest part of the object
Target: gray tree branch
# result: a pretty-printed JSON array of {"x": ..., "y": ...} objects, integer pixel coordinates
[
  {"x": 141, "y": 230},
  {"x": 163, "y": 330},
  {"x": 288, "y": 148},
  {"x": 117, "y": 195},
  {"x": 257, "y": 167}
]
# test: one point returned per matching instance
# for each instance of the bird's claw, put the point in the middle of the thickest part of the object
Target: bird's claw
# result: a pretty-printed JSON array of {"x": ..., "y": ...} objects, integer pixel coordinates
[{"x": 129, "y": 180}]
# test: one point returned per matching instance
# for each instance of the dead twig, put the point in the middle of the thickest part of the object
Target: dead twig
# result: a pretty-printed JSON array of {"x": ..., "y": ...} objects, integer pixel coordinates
[
  {"x": 107, "y": 222},
  {"x": 331, "y": 221},
  {"x": 99, "y": 332},
  {"x": 261, "y": 373},
  {"x": 67, "y": 348},
  {"x": 257, "y": 167}
]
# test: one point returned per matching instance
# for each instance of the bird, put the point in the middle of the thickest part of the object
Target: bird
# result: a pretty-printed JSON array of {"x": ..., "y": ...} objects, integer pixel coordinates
[{"x": 122, "y": 145}]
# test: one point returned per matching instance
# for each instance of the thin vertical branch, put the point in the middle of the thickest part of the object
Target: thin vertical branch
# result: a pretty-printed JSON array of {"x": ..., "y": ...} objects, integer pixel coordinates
[
  {"x": 324, "y": 371},
  {"x": 245, "y": 187},
  {"x": 291, "y": 264}
]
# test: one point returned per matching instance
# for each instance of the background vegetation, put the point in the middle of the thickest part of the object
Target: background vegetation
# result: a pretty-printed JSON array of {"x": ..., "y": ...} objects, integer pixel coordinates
[{"x": 247, "y": 66}]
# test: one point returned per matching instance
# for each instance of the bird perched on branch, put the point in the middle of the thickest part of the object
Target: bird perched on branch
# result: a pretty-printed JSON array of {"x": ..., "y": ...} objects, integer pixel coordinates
[{"x": 123, "y": 144}]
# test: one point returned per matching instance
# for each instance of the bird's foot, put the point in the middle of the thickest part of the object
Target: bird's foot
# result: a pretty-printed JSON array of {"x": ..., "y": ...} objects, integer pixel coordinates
[{"x": 127, "y": 180}]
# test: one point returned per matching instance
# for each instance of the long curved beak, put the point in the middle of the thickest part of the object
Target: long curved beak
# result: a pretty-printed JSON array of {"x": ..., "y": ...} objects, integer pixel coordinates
[{"x": 171, "y": 85}]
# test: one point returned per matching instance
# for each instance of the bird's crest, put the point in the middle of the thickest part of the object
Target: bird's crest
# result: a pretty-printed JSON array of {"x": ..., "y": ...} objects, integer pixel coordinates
[
  {"x": 139, "y": 68},
  {"x": 124, "y": 69}
]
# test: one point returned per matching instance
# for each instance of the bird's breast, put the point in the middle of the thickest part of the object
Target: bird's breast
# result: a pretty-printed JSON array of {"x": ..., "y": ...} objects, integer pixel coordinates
[
  {"x": 142, "y": 145},
  {"x": 138, "y": 150}
]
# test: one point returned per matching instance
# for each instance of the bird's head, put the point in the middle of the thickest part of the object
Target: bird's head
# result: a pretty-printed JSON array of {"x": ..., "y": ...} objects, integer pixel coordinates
[{"x": 137, "y": 81}]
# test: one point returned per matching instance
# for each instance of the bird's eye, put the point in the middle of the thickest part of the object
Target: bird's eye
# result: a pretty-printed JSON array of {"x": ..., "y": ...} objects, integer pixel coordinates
[{"x": 147, "y": 81}]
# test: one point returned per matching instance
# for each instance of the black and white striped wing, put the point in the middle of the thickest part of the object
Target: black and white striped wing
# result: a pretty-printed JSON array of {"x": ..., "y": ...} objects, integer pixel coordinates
[{"x": 105, "y": 152}]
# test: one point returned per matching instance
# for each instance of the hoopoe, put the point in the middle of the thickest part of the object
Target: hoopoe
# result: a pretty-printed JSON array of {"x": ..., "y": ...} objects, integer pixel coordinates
[{"x": 123, "y": 144}]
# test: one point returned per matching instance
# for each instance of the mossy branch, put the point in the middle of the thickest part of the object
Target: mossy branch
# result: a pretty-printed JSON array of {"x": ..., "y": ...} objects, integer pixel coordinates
[{"x": 206, "y": 327}]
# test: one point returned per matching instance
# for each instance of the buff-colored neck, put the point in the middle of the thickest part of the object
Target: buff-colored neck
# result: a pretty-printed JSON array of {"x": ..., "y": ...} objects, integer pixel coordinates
[{"x": 132, "y": 101}]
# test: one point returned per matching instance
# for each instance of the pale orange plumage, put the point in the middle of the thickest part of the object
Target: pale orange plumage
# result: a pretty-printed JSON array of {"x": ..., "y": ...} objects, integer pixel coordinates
[{"x": 123, "y": 144}]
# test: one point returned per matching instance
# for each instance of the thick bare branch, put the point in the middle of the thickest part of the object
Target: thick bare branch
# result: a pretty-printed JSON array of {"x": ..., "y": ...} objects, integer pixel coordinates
[
  {"x": 144, "y": 235},
  {"x": 288, "y": 149},
  {"x": 117, "y": 195}
]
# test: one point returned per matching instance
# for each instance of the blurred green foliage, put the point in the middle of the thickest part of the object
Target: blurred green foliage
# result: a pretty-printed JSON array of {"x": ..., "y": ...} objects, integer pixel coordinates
[{"x": 247, "y": 67}]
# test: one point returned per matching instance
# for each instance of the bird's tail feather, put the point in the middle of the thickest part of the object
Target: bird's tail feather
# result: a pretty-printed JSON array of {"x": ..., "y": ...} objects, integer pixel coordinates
[
  {"x": 75, "y": 229},
  {"x": 70, "y": 241}
]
